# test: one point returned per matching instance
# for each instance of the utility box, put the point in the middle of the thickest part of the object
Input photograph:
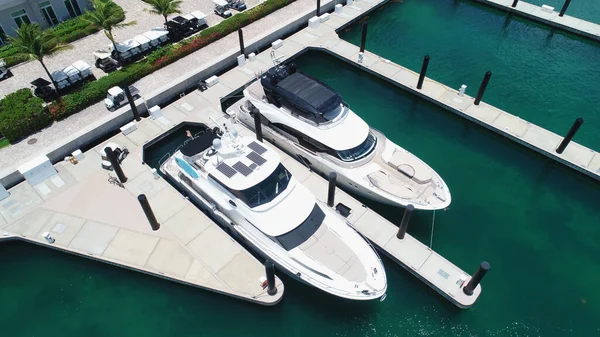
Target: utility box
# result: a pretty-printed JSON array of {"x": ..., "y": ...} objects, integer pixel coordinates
[
  {"x": 212, "y": 81},
  {"x": 277, "y": 43},
  {"x": 314, "y": 22},
  {"x": 155, "y": 112},
  {"x": 338, "y": 9},
  {"x": 37, "y": 170}
]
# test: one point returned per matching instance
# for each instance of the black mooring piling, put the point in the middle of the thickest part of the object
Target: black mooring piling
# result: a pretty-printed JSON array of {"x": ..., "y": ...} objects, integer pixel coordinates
[
  {"x": 482, "y": 87},
  {"x": 564, "y": 8},
  {"x": 270, "y": 270},
  {"x": 477, "y": 277},
  {"x": 318, "y": 7},
  {"x": 405, "y": 220},
  {"x": 514, "y": 4},
  {"x": 148, "y": 211},
  {"x": 363, "y": 39},
  {"x": 423, "y": 72},
  {"x": 241, "y": 36},
  {"x": 257, "y": 124},
  {"x": 331, "y": 189},
  {"x": 115, "y": 164},
  {"x": 563, "y": 145},
  {"x": 134, "y": 109}
]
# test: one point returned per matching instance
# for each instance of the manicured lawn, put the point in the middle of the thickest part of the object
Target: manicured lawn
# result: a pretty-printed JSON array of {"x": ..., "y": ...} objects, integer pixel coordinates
[{"x": 4, "y": 143}]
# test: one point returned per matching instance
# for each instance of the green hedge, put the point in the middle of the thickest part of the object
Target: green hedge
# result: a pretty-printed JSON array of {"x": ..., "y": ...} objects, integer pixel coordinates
[
  {"x": 66, "y": 31},
  {"x": 94, "y": 92},
  {"x": 22, "y": 114}
]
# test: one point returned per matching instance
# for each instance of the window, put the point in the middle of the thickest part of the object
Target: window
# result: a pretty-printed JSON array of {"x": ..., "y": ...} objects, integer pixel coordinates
[
  {"x": 48, "y": 13},
  {"x": 2, "y": 37},
  {"x": 73, "y": 8},
  {"x": 360, "y": 151},
  {"x": 20, "y": 17},
  {"x": 305, "y": 230}
]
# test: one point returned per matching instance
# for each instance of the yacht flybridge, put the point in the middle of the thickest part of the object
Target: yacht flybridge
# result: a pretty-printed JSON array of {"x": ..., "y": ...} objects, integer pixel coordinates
[
  {"x": 309, "y": 120},
  {"x": 244, "y": 185}
]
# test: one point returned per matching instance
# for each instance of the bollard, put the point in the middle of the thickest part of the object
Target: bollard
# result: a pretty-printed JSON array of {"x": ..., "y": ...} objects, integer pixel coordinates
[
  {"x": 115, "y": 164},
  {"x": 423, "y": 72},
  {"x": 363, "y": 39},
  {"x": 564, "y": 7},
  {"x": 270, "y": 270},
  {"x": 257, "y": 124},
  {"x": 563, "y": 145},
  {"x": 405, "y": 220},
  {"x": 241, "y": 36},
  {"x": 134, "y": 109},
  {"x": 461, "y": 91},
  {"x": 514, "y": 4},
  {"x": 479, "y": 274},
  {"x": 318, "y": 7},
  {"x": 331, "y": 189},
  {"x": 148, "y": 211},
  {"x": 482, "y": 87}
]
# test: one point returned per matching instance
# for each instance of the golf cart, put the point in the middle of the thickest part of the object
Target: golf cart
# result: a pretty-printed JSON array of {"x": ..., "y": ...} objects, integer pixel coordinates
[
  {"x": 222, "y": 8},
  {"x": 116, "y": 97},
  {"x": 179, "y": 28},
  {"x": 4, "y": 73},
  {"x": 238, "y": 5},
  {"x": 105, "y": 62},
  {"x": 157, "y": 36},
  {"x": 120, "y": 152},
  {"x": 43, "y": 89}
]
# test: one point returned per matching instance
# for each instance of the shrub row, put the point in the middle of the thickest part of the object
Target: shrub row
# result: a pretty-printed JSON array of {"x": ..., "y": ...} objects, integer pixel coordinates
[
  {"x": 66, "y": 31},
  {"x": 21, "y": 114},
  {"x": 95, "y": 91}
]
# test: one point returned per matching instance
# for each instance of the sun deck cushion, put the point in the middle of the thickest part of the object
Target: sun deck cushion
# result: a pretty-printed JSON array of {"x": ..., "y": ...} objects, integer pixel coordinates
[
  {"x": 410, "y": 166},
  {"x": 391, "y": 184}
]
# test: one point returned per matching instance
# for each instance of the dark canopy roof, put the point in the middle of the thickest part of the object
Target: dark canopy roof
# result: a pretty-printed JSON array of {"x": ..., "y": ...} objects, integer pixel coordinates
[
  {"x": 307, "y": 94},
  {"x": 40, "y": 82},
  {"x": 198, "y": 144}
]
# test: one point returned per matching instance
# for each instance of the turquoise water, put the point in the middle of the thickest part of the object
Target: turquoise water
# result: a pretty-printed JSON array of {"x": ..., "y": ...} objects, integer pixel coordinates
[
  {"x": 588, "y": 10},
  {"x": 535, "y": 222},
  {"x": 548, "y": 78}
]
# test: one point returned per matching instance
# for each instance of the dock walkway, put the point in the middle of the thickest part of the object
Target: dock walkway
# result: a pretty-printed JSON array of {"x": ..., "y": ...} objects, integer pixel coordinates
[
  {"x": 89, "y": 217},
  {"x": 568, "y": 23}
]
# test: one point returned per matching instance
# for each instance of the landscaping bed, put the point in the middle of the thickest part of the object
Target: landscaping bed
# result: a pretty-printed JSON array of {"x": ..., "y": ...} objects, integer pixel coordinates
[
  {"x": 95, "y": 91},
  {"x": 66, "y": 31},
  {"x": 21, "y": 114}
]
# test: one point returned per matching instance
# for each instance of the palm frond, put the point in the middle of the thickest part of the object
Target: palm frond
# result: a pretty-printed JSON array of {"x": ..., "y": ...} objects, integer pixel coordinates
[{"x": 164, "y": 7}]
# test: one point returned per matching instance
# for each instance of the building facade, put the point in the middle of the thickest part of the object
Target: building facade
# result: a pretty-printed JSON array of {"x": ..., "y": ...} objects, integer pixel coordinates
[{"x": 47, "y": 13}]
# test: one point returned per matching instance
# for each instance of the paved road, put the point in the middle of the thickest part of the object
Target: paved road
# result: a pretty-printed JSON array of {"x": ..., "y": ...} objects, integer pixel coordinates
[
  {"x": 83, "y": 49},
  {"x": 19, "y": 152}
]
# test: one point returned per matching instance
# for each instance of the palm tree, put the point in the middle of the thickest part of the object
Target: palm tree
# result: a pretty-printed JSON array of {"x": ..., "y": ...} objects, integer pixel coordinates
[
  {"x": 163, "y": 7},
  {"x": 108, "y": 16},
  {"x": 36, "y": 44}
]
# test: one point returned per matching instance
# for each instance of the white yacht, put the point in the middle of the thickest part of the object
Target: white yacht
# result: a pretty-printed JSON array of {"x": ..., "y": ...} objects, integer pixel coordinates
[
  {"x": 310, "y": 121},
  {"x": 244, "y": 185}
]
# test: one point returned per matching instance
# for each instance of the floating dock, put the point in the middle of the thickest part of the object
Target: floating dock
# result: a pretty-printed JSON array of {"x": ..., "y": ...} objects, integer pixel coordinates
[
  {"x": 87, "y": 216},
  {"x": 549, "y": 16}
]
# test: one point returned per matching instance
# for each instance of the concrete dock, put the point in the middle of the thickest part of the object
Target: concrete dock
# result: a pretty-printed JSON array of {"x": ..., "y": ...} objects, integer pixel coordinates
[
  {"x": 89, "y": 217},
  {"x": 549, "y": 17}
]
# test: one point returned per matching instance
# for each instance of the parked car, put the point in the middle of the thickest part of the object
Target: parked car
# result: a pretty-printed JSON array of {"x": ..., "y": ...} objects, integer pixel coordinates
[
  {"x": 116, "y": 97},
  {"x": 222, "y": 8}
]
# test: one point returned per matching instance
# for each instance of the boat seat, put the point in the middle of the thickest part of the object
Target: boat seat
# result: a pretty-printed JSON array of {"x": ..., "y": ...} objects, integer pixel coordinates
[
  {"x": 410, "y": 166},
  {"x": 392, "y": 185}
]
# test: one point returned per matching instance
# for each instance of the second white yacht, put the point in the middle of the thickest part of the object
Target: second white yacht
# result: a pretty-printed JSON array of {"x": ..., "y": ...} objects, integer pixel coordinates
[
  {"x": 309, "y": 120},
  {"x": 243, "y": 185}
]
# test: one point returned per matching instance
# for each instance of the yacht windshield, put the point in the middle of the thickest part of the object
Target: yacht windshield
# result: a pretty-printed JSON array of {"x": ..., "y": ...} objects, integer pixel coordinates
[
  {"x": 333, "y": 113},
  {"x": 268, "y": 189},
  {"x": 305, "y": 230},
  {"x": 360, "y": 151}
]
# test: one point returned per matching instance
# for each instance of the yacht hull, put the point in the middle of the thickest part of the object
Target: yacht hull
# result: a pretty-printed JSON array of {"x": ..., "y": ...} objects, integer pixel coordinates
[
  {"x": 324, "y": 167},
  {"x": 209, "y": 207}
]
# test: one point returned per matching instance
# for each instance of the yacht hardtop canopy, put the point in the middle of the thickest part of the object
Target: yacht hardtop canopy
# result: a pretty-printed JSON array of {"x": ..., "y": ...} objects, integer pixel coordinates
[{"x": 306, "y": 93}]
